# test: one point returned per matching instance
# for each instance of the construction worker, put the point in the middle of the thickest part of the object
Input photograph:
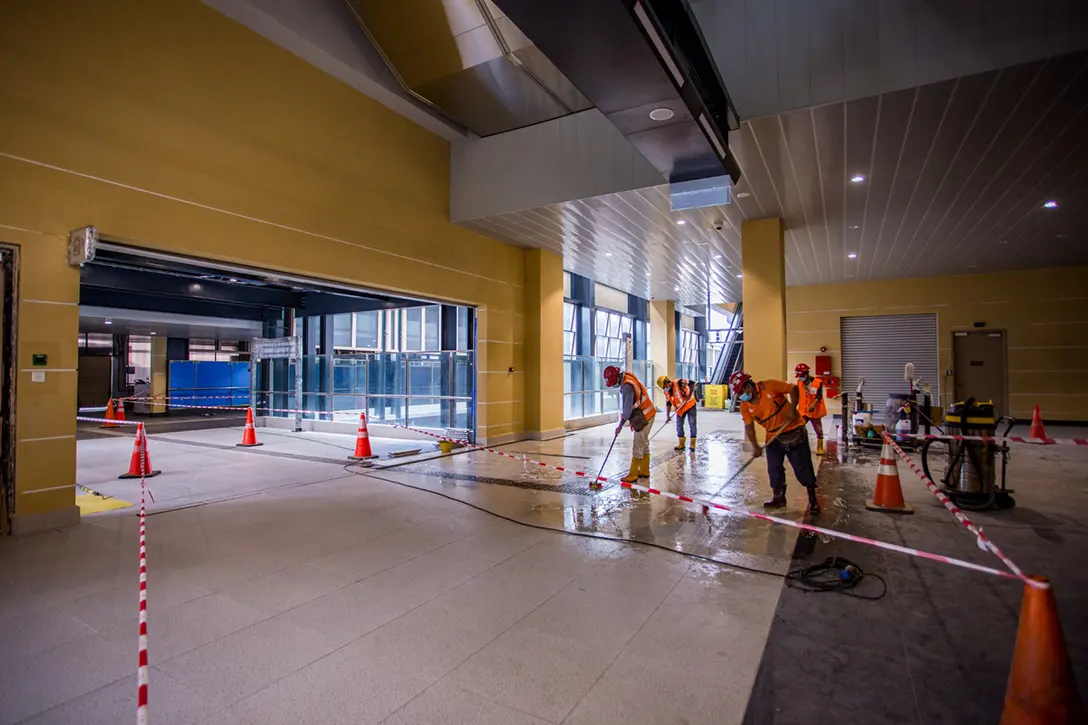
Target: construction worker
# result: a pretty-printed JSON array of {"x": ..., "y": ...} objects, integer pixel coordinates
[
  {"x": 810, "y": 402},
  {"x": 680, "y": 396},
  {"x": 636, "y": 408},
  {"x": 773, "y": 404}
]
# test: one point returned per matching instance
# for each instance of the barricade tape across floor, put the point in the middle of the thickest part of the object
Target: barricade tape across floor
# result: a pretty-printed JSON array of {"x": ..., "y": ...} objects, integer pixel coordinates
[
  {"x": 996, "y": 439},
  {"x": 707, "y": 505},
  {"x": 984, "y": 542}
]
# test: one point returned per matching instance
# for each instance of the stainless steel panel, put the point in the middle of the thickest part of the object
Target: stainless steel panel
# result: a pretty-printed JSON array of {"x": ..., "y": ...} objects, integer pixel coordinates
[{"x": 878, "y": 348}]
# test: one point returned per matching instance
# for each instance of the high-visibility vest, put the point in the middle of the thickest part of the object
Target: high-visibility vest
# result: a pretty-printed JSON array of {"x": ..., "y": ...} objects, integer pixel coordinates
[
  {"x": 681, "y": 395},
  {"x": 806, "y": 396},
  {"x": 642, "y": 398}
]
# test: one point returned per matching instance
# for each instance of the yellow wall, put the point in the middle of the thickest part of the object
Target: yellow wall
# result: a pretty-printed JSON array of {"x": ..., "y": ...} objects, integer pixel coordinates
[
  {"x": 1045, "y": 314},
  {"x": 167, "y": 125},
  {"x": 764, "y": 267},
  {"x": 544, "y": 346}
]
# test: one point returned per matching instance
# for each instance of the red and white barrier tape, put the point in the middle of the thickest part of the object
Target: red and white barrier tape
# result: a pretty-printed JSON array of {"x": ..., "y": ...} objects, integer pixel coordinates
[
  {"x": 88, "y": 419},
  {"x": 142, "y": 677},
  {"x": 984, "y": 542},
  {"x": 996, "y": 439}
]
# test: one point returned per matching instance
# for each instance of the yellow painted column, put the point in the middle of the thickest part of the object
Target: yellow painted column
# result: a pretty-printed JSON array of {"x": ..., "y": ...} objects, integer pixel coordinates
[
  {"x": 543, "y": 345},
  {"x": 662, "y": 344},
  {"x": 159, "y": 365},
  {"x": 763, "y": 263},
  {"x": 48, "y": 360}
]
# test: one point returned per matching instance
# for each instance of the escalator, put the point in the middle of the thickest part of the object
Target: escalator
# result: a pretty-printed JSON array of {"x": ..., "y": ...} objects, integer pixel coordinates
[{"x": 731, "y": 357}]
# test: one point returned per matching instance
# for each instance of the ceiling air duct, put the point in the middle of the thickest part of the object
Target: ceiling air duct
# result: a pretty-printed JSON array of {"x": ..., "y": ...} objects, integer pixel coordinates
[{"x": 646, "y": 66}]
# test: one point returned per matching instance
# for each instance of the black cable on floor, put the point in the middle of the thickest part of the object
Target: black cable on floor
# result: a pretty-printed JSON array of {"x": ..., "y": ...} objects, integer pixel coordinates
[
  {"x": 351, "y": 468},
  {"x": 834, "y": 574}
]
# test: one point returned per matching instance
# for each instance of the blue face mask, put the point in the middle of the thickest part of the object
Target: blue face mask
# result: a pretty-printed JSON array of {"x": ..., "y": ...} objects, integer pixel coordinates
[{"x": 745, "y": 397}]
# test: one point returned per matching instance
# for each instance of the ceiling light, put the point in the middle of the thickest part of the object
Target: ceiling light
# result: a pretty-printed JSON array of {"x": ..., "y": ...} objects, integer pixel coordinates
[
  {"x": 743, "y": 195},
  {"x": 109, "y": 322},
  {"x": 676, "y": 289},
  {"x": 647, "y": 274},
  {"x": 717, "y": 256},
  {"x": 1050, "y": 204},
  {"x": 154, "y": 333},
  {"x": 608, "y": 254},
  {"x": 853, "y": 226},
  {"x": 852, "y": 255},
  {"x": 739, "y": 276},
  {"x": 233, "y": 280},
  {"x": 661, "y": 114},
  {"x": 681, "y": 221},
  {"x": 1004, "y": 241},
  {"x": 857, "y": 178}
]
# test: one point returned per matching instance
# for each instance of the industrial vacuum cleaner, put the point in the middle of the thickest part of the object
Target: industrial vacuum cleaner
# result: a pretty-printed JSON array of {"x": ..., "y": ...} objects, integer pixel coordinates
[{"x": 967, "y": 470}]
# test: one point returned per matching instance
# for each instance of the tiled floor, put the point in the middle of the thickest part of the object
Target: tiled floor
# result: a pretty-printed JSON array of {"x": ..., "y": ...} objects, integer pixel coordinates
[
  {"x": 285, "y": 587},
  {"x": 306, "y": 593}
]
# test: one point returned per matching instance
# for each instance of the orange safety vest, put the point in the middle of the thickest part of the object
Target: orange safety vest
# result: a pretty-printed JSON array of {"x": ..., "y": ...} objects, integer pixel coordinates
[
  {"x": 642, "y": 398},
  {"x": 806, "y": 398},
  {"x": 681, "y": 395}
]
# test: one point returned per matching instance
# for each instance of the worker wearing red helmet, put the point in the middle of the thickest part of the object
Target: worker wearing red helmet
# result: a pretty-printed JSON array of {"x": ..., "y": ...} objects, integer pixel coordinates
[
  {"x": 810, "y": 402},
  {"x": 637, "y": 409},
  {"x": 773, "y": 404}
]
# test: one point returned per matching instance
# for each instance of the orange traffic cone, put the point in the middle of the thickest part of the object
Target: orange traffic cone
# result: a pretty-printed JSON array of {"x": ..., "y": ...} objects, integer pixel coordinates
[
  {"x": 249, "y": 435},
  {"x": 362, "y": 442},
  {"x": 1036, "y": 426},
  {"x": 120, "y": 409},
  {"x": 888, "y": 496},
  {"x": 1041, "y": 687},
  {"x": 110, "y": 416},
  {"x": 139, "y": 465}
]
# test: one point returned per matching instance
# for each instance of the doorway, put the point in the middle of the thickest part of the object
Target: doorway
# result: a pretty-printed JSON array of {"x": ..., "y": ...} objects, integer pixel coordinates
[
  {"x": 979, "y": 362},
  {"x": 8, "y": 265}
]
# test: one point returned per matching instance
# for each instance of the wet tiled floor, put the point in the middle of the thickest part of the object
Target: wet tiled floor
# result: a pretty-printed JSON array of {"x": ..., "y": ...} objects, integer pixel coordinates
[{"x": 288, "y": 586}]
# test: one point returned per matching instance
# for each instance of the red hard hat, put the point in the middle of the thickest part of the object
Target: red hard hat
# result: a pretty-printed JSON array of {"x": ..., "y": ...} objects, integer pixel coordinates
[
  {"x": 738, "y": 380},
  {"x": 801, "y": 370},
  {"x": 611, "y": 376}
]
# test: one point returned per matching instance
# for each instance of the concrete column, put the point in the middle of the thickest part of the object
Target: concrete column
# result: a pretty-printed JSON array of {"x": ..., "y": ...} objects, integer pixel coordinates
[
  {"x": 160, "y": 364},
  {"x": 543, "y": 345},
  {"x": 662, "y": 344},
  {"x": 763, "y": 263}
]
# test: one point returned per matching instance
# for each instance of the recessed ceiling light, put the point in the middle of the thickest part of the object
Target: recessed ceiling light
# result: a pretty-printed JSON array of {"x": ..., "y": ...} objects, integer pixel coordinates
[
  {"x": 109, "y": 322},
  {"x": 852, "y": 255},
  {"x": 739, "y": 276},
  {"x": 717, "y": 256},
  {"x": 676, "y": 289},
  {"x": 743, "y": 195},
  {"x": 232, "y": 279},
  {"x": 154, "y": 333},
  {"x": 853, "y": 226},
  {"x": 1004, "y": 241},
  {"x": 681, "y": 221},
  {"x": 647, "y": 274},
  {"x": 662, "y": 114},
  {"x": 608, "y": 254},
  {"x": 1050, "y": 204},
  {"x": 857, "y": 178}
]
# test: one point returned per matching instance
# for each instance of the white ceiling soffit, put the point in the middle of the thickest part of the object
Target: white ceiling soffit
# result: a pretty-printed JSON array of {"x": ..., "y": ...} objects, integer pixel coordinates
[
  {"x": 780, "y": 55},
  {"x": 324, "y": 34},
  {"x": 951, "y": 179},
  {"x": 140, "y": 322}
]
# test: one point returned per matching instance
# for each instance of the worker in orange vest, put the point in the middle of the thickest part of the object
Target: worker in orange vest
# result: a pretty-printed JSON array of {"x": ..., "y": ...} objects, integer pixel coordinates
[
  {"x": 810, "y": 402},
  {"x": 680, "y": 397},
  {"x": 773, "y": 404},
  {"x": 637, "y": 409}
]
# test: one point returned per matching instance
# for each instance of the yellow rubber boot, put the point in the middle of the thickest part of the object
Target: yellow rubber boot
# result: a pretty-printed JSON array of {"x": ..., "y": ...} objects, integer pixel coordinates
[
  {"x": 632, "y": 476},
  {"x": 691, "y": 444},
  {"x": 680, "y": 445},
  {"x": 819, "y": 446},
  {"x": 644, "y": 466}
]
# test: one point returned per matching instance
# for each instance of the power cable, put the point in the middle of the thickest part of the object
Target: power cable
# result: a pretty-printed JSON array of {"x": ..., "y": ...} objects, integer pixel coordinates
[{"x": 834, "y": 574}]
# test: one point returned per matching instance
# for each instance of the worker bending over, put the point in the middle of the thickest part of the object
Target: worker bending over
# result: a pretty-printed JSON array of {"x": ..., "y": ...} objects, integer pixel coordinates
[
  {"x": 773, "y": 404},
  {"x": 680, "y": 397},
  {"x": 636, "y": 408},
  {"x": 810, "y": 402}
]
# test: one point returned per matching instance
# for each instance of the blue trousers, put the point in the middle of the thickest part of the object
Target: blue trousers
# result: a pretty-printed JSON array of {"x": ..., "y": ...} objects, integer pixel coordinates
[
  {"x": 693, "y": 428},
  {"x": 800, "y": 457}
]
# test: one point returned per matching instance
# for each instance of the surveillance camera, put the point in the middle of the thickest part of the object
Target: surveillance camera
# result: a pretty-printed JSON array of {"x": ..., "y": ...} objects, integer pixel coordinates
[{"x": 718, "y": 226}]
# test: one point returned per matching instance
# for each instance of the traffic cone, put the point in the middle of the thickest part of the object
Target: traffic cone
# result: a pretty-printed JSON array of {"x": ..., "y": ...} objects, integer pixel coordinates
[
  {"x": 120, "y": 409},
  {"x": 249, "y": 434},
  {"x": 140, "y": 466},
  {"x": 1036, "y": 427},
  {"x": 888, "y": 496},
  {"x": 362, "y": 442},
  {"x": 110, "y": 415},
  {"x": 1041, "y": 686}
]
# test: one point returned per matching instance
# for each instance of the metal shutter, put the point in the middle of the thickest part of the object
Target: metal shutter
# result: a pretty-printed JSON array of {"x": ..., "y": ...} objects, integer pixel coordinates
[{"x": 878, "y": 348}]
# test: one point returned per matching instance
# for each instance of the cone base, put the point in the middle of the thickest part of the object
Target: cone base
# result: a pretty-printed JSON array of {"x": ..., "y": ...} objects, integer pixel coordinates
[
  {"x": 109, "y": 425},
  {"x": 247, "y": 445},
  {"x": 361, "y": 458},
  {"x": 125, "y": 476},
  {"x": 872, "y": 506}
]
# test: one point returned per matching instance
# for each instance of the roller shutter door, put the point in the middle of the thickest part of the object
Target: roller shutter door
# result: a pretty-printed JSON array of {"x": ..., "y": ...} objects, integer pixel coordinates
[{"x": 878, "y": 348}]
